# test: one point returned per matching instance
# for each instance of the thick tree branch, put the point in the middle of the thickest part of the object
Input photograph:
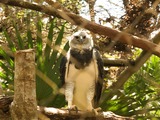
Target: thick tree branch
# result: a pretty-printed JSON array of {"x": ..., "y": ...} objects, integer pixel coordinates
[
  {"x": 50, "y": 113},
  {"x": 117, "y": 62},
  {"x": 91, "y": 26},
  {"x": 131, "y": 70},
  {"x": 54, "y": 113},
  {"x": 138, "y": 64}
]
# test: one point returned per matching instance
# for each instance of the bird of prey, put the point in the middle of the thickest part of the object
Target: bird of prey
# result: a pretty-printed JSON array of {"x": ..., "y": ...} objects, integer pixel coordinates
[{"x": 82, "y": 73}]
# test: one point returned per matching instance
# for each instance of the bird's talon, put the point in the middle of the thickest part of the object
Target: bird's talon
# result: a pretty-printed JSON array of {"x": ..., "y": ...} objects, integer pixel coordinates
[
  {"x": 96, "y": 111},
  {"x": 76, "y": 109},
  {"x": 72, "y": 108}
]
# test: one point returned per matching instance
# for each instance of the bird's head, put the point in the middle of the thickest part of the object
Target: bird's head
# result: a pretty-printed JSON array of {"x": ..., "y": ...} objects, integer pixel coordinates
[{"x": 81, "y": 40}]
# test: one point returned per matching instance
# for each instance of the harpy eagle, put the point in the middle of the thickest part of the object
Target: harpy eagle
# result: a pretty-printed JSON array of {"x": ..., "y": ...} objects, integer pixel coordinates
[{"x": 82, "y": 73}]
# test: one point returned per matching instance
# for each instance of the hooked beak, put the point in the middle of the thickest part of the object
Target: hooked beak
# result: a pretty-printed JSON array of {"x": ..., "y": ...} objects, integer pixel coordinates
[{"x": 81, "y": 39}]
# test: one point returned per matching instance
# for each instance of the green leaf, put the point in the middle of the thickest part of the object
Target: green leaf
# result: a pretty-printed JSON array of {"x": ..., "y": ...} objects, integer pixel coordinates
[
  {"x": 55, "y": 59},
  {"x": 11, "y": 45},
  {"x": 39, "y": 38},
  {"x": 39, "y": 47},
  {"x": 57, "y": 43},
  {"x": 49, "y": 41},
  {"x": 19, "y": 38},
  {"x": 48, "y": 63},
  {"x": 3, "y": 76},
  {"x": 5, "y": 68},
  {"x": 29, "y": 37},
  {"x": 7, "y": 58},
  {"x": 60, "y": 36}
]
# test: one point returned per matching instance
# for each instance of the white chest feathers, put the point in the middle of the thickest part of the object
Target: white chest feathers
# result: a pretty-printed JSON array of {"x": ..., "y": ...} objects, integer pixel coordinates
[{"x": 83, "y": 83}]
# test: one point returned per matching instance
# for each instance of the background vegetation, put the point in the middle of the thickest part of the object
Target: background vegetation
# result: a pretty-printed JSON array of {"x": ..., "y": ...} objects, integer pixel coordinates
[{"x": 24, "y": 29}]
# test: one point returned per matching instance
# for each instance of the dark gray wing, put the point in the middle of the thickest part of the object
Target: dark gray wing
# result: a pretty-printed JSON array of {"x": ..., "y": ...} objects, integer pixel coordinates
[
  {"x": 99, "y": 84},
  {"x": 63, "y": 70}
]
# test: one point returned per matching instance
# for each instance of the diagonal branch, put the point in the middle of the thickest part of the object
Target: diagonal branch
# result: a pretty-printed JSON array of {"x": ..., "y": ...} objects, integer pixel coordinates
[
  {"x": 138, "y": 63},
  {"x": 91, "y": 26},
  {"x": 145, "y": 55}
]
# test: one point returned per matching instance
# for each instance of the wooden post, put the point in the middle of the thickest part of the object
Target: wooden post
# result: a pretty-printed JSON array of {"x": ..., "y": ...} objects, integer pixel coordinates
[{"x": 24, "y": 105}]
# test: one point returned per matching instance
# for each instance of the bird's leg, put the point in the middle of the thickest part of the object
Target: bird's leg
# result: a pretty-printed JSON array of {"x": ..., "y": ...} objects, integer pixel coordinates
[
  {"x": 96, "y": 110},
  {"x": 90, "y": 96},
  {"x": 69, "y": 93},
  {"x": 69, "y": 96}
]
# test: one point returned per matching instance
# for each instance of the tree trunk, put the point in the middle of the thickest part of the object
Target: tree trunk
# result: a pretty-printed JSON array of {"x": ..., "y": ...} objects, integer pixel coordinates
[{"x": 24, "y": 105}]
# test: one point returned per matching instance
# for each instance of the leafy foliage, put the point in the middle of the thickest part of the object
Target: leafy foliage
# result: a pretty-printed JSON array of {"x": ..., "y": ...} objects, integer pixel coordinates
[
  {"x": 140, "y": 96},
  {"x": 47, "y": 63}
]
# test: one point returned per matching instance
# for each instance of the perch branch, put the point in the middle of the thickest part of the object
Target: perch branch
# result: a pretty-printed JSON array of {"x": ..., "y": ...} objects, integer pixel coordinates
[
  {"x": 50, "y": 113},
  {"x": 54, "y": 113},
  {"x": 115, "y": 35}
]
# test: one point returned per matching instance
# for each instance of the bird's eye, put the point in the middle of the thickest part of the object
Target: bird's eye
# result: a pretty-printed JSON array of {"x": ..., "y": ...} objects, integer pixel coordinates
[
  {"x": 84, "y": 37},
  {"x": 77, "y": 37}
]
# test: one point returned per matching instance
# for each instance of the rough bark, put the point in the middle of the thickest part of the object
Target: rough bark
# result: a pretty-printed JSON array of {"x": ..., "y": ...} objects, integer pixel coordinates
[
  {"x": 91, "y": 26},
  {"x": 24, "y": 105},
  {"x": 5, "y": 102}
]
